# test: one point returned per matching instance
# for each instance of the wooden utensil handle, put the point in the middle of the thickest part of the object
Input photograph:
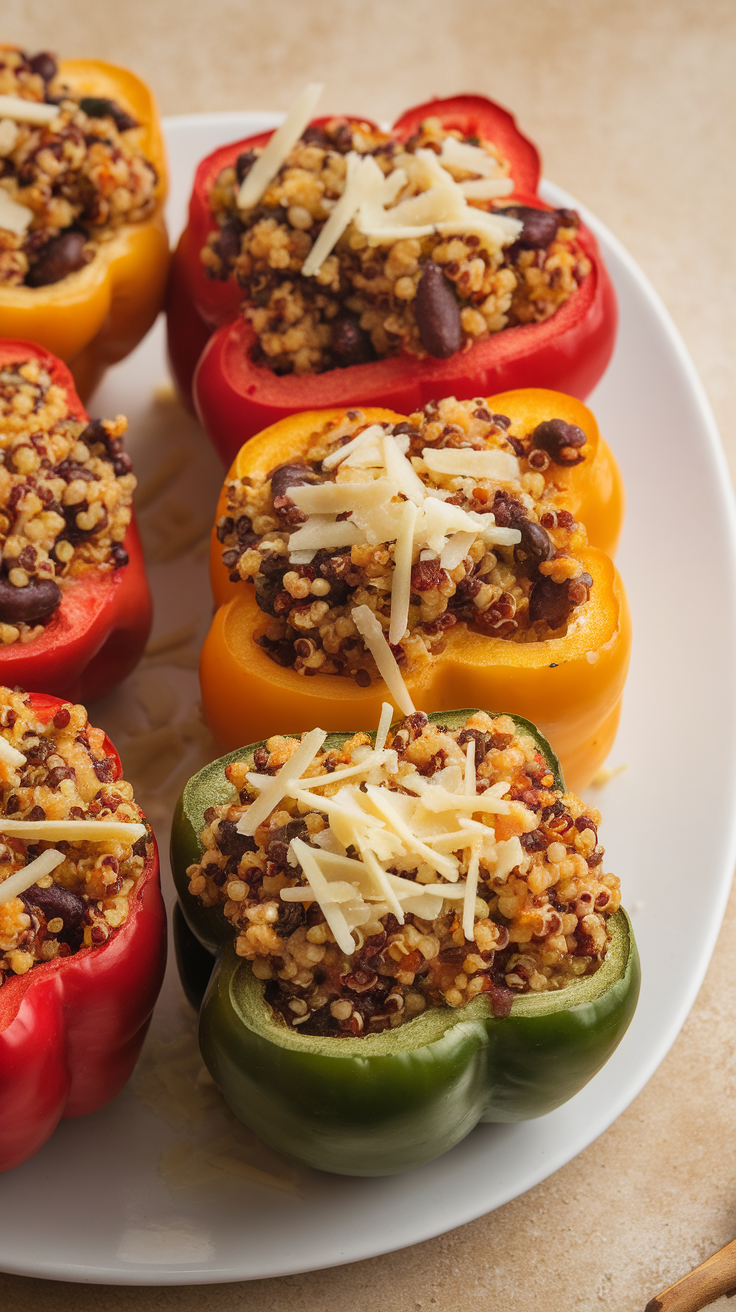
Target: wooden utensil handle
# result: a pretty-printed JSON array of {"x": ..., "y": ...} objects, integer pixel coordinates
[{"x": 704, "y": 1285}]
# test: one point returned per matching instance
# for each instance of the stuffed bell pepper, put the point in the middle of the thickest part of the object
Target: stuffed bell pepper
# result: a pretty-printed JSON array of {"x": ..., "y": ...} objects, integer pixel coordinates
[
  {"x": 441, "y": 556},
  {"x": 414, "y": 931},
  {"x": 83, "y": 247},
  {"x": 82, "y": 922},
  {"x": 340, "y": 263},
  {"x": 75, "y": 607}
]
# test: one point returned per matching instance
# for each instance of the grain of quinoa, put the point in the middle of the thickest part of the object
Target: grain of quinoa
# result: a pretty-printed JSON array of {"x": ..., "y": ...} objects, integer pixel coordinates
[
  {"x": 83, "y": 175},
  {"x": 67, "y": 775},
  {"x": 536, "y": 926},
  {"x": 362, "y": 305},
  {"x": 66, "y": 491},
  {"x": 523, "y": 593}
]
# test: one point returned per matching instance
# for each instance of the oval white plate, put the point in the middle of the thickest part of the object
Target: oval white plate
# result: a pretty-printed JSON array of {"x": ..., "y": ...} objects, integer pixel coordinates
[{"x": 92, "y": 1206}]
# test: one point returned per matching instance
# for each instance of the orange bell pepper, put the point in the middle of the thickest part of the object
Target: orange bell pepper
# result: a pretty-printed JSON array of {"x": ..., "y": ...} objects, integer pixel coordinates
[
  {"x": 570, "y": 686},
  {"x": 96, "y": 316}
]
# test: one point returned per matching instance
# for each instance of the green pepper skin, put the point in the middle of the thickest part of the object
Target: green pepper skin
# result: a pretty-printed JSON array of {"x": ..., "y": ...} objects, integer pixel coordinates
[{"x": 385, "y": 1103}]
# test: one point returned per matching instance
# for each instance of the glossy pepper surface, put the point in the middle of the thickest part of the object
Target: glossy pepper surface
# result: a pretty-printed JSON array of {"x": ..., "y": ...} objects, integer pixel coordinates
[
  {"x": 571, "y": 686},
  {"x": 71, "y": 1029},
  {"x": 96, "y": 316},
  {"x": 97, "y": 634},
  {"x": 234, "y": 396},
  {"x": 387, "y": 1102}
]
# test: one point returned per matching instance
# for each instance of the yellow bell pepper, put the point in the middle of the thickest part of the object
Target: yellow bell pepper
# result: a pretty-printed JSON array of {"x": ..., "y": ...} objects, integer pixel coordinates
[
  {"x": 96, "y": 316},
  {"x": 570, "y": 686}
]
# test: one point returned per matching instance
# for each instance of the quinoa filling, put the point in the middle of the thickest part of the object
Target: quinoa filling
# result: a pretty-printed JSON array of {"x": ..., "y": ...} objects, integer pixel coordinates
[
  {"x": 66, "y": 185},
  {"x": 376, "y": 887},
  {"x": 66, "y": 776},
  {"x": 380, "y": 292},
  {"x": 488, "y": 546},
  {"x": 66, "y": 492}
]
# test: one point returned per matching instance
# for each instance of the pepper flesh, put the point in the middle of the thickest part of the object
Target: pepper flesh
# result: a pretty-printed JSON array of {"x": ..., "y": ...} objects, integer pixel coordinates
[
  {"x": 71, "y": 1029},
  {"x": 389, "y": 1102},
  {"x": 571, "y": 686},
  {"x": 97, "y": 635},
  {"x": 96, "y": 316},
  {"x": 570, "y": 350}
]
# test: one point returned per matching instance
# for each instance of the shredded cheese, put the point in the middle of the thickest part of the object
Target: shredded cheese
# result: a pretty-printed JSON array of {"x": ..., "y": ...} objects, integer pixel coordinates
[
  {"x": 467, "y": 462},
  {"x": 372, "y": 634},
  {"x": 282, "y": 142},
  {"x": 360, "y": 175},
  {"x": 16, "y": 884},
  {"x": 72, "y": 831},
  {"x": 27, "y": 111},
  {"x": 337, "y": 456},
  {"x": 9, "y": 754},
  {"x": 276, "y": 788},
  {"x": 14, "y": 217},
  {"x": 401, "y": 577},
  {"x": 471, "y": 891}
]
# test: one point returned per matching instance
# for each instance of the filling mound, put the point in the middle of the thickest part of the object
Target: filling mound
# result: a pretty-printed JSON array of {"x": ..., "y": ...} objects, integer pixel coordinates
[
  {"x": 71, "y": 172},
  {"x": 66, "y": 492},
  {"x": 362, "y": 247},
  {"x": 368, "y": 882},
  {"x": 450, "y": 518},
  {"x": 60, "y": 890}
]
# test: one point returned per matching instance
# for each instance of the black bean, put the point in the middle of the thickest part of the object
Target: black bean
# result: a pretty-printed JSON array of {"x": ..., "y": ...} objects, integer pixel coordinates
[
  {"x": 437, "y": 313},
  {"x": 536, "y": 545},
  {"x": 233, "y": 843},
  {"x": 560, "y": 440},
  {"x": 350, "y": 345},
  {"x": 540, "y": 226},
  {"x": 29, "y": 605},
  {"x": 119, "y": 555},
  {"x": 228, "y": 242},
  {"x": 286, "y": 476},
  {"x": 101, "y": 107},
  {"x": 69, "y": 471},
  {"x": 291, "y": 916},
  {"x": 63, "y": 255},
  {"x": 45, "y": 65},
  {"x": 316, "y": 136},
  {"x": 555, "y": 602},
  {"x": 55, "y": 901}
]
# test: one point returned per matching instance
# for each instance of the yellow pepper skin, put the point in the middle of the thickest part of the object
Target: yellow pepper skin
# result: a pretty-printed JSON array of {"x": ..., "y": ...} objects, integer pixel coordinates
[
  {"x": 570, "y": 686},
  {"x": 96, "y": 316}
]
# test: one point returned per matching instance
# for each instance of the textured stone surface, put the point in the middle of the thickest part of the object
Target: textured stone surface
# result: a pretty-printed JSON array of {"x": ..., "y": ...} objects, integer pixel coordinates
[{"x": 633, "y": 108}]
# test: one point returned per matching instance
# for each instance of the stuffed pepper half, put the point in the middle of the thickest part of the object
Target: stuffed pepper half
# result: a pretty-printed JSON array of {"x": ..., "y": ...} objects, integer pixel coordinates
[
  {"x": 442, "y": 556},
  {"x": 345, "y": 264},
  {"x": 75, "y": 608},
  {"x": 83, "y": 246},
  {"x": 415, "y": 932},
  {"x": 82, "y": 923}
]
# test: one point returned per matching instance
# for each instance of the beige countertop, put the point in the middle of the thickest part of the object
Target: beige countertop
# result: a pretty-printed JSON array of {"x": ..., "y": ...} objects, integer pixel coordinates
[{"x": 633, "y": 108}]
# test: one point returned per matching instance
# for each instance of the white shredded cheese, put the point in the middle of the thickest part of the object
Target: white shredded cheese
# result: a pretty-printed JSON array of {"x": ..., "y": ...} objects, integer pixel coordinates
[
  {"x": 384, "y": 724},
  {"x": 341, "y": 904},
  {"x": 471, "y": 891},
  {"x": 72, "y": 831},
  {"x": 322, "y": 533},
  {"x": 467, "y": 462},
  {"x": 276, "y": 787},
  {"x": 473, "y": 159},
  {"x": 470, "y": 776},
  {"x": 9, "y": 754},
  {"x": 16, "y": 884},
  {"x": 401, "y": 577},
  {"x": 486, "y": 188},
  {"x": 373, "y": 636},
  {"x": 282, "y": 142},
  {"x": 456, "y": 549},
  {"x": 359, "y": 178},
  {"x": 14, "y": 217},
  {"x": 341, "y": 453},
  {"x": 27, "y": 111},
  {"x": 402, "y": 471}
]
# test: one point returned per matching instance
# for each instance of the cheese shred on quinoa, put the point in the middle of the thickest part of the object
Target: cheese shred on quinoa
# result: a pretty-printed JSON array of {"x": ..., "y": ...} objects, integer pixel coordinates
[
  {"x": 434, "y": 865},
  {"x": 378, "y": 539}
]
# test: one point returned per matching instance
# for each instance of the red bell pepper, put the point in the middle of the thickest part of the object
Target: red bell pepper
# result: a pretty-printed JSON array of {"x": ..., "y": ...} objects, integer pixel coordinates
[
  {"x": 97, "y": 635},
  {"x": 236, "y": 398},
  {"x": 71, "y": 1029}
]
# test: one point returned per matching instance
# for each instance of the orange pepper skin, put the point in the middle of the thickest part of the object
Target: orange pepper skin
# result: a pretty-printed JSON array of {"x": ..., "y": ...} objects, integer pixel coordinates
[
  {"x": 96, "y": 316},
  {"x": 570, "y": 686}
]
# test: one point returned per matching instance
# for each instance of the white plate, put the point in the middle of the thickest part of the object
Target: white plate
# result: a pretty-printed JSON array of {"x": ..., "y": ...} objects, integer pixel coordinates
[{"x": 92, "y": 1204}]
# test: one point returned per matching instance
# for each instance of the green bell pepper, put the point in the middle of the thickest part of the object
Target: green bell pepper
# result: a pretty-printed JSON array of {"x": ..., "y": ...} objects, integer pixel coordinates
[{"x": 386, "y": 1102}]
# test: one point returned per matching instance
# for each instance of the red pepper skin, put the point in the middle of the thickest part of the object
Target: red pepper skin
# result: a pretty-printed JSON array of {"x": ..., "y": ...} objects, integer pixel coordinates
[
  {"x": 71, "y": 1029},
  {"x": 97, "y": 635},
  {"x": 567, "y": 352}
]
